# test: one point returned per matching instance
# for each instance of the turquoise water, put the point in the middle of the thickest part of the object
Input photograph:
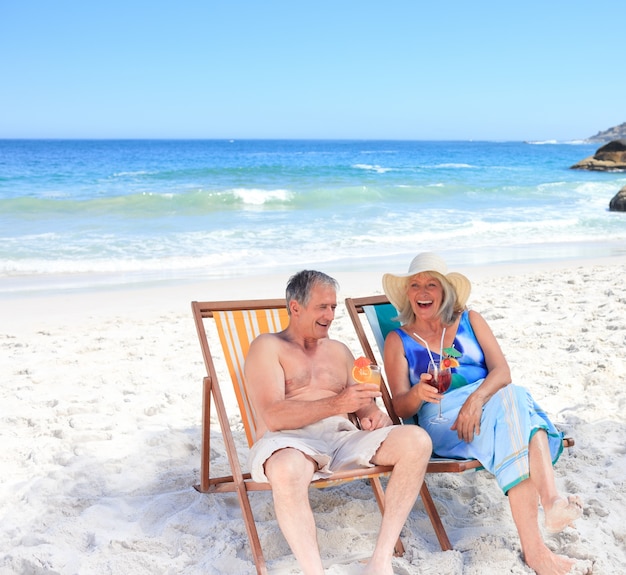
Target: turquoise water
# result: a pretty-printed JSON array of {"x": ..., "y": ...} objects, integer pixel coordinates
[{"x": 127, "y": 211}]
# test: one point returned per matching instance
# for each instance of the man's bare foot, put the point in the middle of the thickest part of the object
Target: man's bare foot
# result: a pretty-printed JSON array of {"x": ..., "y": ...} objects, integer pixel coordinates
[
  {"x": 377, "y": 567},
  {"x": 552, "y": 564},
  {"x": 562, "y": 513}
]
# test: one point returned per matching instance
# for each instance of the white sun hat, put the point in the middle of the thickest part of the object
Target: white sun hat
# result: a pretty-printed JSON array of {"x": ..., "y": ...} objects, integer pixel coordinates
[{"x": 395, "y": 285}]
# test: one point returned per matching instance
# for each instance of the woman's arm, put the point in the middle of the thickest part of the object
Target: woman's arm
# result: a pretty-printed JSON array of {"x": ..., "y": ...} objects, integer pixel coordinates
[
  {"x": 498, "y": 376},
  {"x": 406, "y": 400}
]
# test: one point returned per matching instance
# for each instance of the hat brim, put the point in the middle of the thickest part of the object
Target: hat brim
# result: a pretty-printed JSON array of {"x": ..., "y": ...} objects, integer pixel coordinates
[
  {"x": 462, "y": 286},
  {"x": 394, "y": 287}
]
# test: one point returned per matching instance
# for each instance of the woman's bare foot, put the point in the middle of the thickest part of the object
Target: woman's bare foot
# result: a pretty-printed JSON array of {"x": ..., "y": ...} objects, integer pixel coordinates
[
  {"x": 552, "y": 564},
  {"x": 562, "y": 513},
  {"x": 581, "y": 567}
]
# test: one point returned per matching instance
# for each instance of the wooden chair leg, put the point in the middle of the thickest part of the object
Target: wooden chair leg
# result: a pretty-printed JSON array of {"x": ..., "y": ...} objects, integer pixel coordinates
[
  {"x": 429, "y": 505},
  {"x": 205, "y": 449},
  {"x": 435, "y": 519},
  {"x": 253, "y": 535}
]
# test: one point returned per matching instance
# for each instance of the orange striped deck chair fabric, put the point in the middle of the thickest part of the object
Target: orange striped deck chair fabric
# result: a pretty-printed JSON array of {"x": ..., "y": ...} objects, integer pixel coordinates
[{"x": 236, "y": 330}]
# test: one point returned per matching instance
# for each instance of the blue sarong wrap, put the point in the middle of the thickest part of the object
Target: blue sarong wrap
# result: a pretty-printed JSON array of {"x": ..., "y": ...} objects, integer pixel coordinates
[{"x": 509, "y": 420}]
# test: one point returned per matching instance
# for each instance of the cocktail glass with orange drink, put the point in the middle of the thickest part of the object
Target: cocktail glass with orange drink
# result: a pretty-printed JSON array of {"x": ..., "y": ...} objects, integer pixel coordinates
[{"x": 364, "y": 371}]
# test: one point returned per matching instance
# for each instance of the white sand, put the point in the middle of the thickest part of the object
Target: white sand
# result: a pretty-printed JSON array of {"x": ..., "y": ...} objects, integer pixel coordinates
[{"x": 100, "y": 413}]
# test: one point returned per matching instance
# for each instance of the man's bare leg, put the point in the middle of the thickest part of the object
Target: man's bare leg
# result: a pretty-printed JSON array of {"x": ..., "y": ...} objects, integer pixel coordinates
[
  {"x": 408, "y": 449},
  {"x": 290, "y": 472}
]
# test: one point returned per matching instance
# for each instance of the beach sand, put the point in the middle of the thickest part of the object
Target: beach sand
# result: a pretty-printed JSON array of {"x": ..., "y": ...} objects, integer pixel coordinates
[{"x": 100, "y": 416}]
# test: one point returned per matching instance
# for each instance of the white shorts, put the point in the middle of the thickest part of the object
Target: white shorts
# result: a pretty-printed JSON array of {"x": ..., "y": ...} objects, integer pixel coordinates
[{"x": 334, "y": 443}]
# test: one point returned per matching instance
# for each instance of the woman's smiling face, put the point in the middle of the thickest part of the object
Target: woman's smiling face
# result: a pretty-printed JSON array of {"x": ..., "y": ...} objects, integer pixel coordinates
[{"x": 425, "y": 294}]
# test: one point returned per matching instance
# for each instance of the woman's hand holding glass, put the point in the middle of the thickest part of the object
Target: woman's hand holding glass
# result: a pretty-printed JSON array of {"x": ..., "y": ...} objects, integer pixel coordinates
[{"x": 431, "y": 387}]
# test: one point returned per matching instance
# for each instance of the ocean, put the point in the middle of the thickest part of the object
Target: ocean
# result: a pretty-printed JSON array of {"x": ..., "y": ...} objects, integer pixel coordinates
[{"x": 77, "y": 214}]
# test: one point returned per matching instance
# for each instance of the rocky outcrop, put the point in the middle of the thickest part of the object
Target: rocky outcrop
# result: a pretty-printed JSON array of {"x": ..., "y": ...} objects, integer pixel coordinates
[
  {"x": 618, "y": 203},
  {"x": 614, "y": 133},
  {"x": 609, "y": 158}
]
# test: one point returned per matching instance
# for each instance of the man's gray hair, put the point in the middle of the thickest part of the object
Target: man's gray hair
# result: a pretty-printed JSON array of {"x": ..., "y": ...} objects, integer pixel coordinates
[{"x": 300, "y": 285}]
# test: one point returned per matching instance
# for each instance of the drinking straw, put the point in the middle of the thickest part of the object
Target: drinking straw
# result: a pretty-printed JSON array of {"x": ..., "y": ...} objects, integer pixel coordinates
[
  {"x": 441, "y": 346},
  {"x": 428, "y": 348}
]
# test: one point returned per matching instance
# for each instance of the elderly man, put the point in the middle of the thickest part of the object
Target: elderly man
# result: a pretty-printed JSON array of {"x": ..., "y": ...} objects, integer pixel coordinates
[{"x": 300, "y": 385}]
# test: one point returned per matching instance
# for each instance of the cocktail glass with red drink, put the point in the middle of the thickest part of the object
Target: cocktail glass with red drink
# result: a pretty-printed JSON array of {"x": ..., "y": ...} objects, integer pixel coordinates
[{"x": 441, "y": 379}]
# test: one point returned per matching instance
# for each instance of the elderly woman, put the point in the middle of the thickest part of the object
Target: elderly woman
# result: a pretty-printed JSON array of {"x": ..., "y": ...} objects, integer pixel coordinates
[{"x": 489, "y": 419}]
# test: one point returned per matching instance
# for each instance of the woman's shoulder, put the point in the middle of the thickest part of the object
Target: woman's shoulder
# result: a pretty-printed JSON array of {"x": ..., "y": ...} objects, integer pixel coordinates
[
  {"x": 401, "y": 333},
  {"x": 398, "y": 338},
  {"x": 473, "y": 315},
  {"x": 477, "y": 322},
  {"x": 395, "y": 335}
]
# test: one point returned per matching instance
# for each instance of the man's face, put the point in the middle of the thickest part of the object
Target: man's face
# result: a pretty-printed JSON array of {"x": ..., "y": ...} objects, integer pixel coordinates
[{"x": 319, "y": 313}]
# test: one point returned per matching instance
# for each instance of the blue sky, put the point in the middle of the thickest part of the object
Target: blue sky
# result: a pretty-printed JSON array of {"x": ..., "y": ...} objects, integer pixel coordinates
[{"x": 532, "y": 70}]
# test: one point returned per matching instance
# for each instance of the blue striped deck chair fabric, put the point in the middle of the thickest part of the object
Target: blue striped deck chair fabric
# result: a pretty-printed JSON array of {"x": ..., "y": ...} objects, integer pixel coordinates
[{"x": 381, "y": 320}]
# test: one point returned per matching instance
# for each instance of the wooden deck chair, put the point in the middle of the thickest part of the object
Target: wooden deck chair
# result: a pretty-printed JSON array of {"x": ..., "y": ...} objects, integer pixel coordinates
[
  {"x": 379, "y": 315},
  {"x": 237, "y": 324}
]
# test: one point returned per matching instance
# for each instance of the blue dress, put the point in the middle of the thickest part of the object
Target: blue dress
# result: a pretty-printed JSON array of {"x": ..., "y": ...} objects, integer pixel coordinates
[{"x": 509, "y": 420}]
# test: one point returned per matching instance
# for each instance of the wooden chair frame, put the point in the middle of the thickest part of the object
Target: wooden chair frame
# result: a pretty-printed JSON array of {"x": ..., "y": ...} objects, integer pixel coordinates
[
  {"x": 240, "y": 482},
  {"x": 356, "y": 310}
]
